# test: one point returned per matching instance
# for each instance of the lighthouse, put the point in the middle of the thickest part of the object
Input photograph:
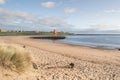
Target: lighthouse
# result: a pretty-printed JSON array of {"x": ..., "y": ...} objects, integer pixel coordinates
[{"x": 54, "y": 32}]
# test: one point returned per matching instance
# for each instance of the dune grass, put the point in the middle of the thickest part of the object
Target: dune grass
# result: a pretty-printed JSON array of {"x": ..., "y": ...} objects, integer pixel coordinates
[{"x": 14, "y": 58}]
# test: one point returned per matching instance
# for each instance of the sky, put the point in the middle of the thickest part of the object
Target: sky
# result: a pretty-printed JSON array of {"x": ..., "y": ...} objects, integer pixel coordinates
[{"x": 78, "y": 16}]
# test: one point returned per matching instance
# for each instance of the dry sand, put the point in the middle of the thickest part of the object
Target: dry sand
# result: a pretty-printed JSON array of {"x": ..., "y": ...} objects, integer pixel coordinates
[{"x": 53, "y": 59}]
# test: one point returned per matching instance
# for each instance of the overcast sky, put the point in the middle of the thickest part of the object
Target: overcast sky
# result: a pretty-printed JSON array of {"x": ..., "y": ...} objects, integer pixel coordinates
[{"x": 81, "y": 16}]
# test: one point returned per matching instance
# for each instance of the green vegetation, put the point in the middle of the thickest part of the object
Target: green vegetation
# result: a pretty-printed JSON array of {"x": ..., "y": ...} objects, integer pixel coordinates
[
  {"x": 33, "y": 33},
  {"x": 14, "y": 58}
]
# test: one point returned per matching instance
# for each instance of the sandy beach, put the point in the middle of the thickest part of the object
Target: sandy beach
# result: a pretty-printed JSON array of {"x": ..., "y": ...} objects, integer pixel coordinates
[{"x": 53, "y": 59}]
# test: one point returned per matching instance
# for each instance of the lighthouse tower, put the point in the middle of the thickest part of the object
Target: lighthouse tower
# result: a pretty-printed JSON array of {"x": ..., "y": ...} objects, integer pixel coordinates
[{"x": 54, "y": 32}]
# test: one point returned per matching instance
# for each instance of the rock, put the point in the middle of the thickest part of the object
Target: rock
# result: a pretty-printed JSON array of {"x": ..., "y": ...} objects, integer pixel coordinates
[
  {"x": 35, "y": 65},
  {"x": 24, "y": 46},
  {"x": 71, "y": 65}
]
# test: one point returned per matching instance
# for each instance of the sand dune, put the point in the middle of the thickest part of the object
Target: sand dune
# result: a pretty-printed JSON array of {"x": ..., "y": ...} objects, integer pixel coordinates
[{"x": 53, "y": 61}]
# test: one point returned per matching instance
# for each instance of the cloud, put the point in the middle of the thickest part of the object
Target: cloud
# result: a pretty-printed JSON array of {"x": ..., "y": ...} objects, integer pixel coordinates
[
  {"x": 112, "y": 11},
  {"x": 2, "y": 2},
  {"x": 52, "y": 22},
  {"x": 69, "y": 10},
  {"x": 48, "y": 4},
  {"x": 10, "y": 18},
  {"x": 101, "y": 27}
]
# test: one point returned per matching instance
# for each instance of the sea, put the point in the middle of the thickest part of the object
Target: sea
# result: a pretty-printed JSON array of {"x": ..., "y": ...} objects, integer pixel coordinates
[{"x": 94, "y": 41}]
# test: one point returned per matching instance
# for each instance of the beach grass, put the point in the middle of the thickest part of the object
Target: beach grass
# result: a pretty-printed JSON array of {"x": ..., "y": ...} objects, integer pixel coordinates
[{"x": 14, "y": 58}]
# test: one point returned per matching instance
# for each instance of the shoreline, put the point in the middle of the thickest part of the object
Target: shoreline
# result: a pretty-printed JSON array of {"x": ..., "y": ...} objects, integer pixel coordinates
[
  {"x": 89, "y": 46},
  {"x": 82, "y": 43},
  {"x": 89, "y": 54}
]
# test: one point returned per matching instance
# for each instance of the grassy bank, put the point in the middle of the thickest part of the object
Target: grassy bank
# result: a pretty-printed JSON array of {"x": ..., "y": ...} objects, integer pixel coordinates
[
  {"x": 14, "y": 58},
  {"x": 32, "y": 33}
]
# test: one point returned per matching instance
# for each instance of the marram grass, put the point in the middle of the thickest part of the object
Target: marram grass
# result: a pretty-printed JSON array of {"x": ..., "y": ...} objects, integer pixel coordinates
[{"x": 14, "y": 58}]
